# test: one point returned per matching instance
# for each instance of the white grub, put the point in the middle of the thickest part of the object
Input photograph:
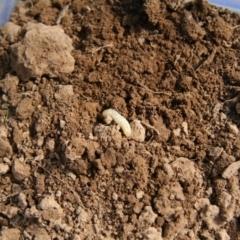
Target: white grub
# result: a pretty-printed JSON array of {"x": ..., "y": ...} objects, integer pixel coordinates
[{"x": 119, "y": 119}]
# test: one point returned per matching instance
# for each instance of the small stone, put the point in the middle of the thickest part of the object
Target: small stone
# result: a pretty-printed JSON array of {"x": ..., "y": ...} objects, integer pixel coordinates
[
  {"x": 147, "y": 215},
  {"x": 177, "y": 132},
  {"x": 139, "y": 195},
  {"x": 50, "y": 145},
  {"x": 10, "y": 211},
  {"x": 201, "y": 203},
  {"x": 62, "y": 124},
  {"x": 63, "y": 92},
  {"x": 39, "y": 157},
  {"x": 83, "y": 215},
  {"x": 215, "y": 152},
  {"x": 233, "y": 128},
  {"x": 5, "y": 148},
  {"x": 223, "y": 117},
  {"x": 138, "y": 131},
  {"x": 5, "y": 98},
  {"x": 50, "y": 209},
  {"x": 40, "y": 141},
  {"x": 141, "y": 40},
  {"x": 4, "y": 168},
  {"x": 108, "y": 119},
  {"x": 22, "y": 201},
  {"x": 119, "y": 169},
  {"x": 20, "y": 170},
  {"x": 114, "y": 196},
  {"x": 168, "y": 169},
  {"x": 10, "y": 234},
  {"x": 152, "y": 234},
  {"x": 58, "y": 193},
  {"x": 231, "y": 170},
  {"x": 6, "y": 160},
  {"x": 185, "y": 127},
  {"x": 138, "y": 207},
  {"x": 31, "y": 213}
]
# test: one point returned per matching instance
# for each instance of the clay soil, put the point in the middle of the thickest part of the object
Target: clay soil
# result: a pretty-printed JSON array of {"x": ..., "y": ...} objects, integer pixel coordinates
[{"x": 172, "y": 68}]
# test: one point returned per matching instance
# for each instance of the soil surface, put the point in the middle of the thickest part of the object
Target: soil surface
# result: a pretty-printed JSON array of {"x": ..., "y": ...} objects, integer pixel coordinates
[{"x": 171, "y": 69}]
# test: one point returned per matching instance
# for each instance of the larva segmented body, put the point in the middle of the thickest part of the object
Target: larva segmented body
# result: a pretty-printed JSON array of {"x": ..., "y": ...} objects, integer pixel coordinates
[{"x": 119, "y": 119}]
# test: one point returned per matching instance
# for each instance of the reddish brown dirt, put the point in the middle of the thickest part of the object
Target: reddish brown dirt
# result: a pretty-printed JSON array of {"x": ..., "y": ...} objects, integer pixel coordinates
[{"x": 66, "y": 174}]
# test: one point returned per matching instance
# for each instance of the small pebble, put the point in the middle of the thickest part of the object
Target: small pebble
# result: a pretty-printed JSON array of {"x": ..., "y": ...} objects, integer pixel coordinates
[
  {"x": 177, "y": 132},
  {"x": 115, "y": 196},
  {"x": 231, "y": 170},
  {"x": 20, "y": 170},
  {"x": 62, "y": 124},
  {"x": 50, "y": 144},
  {"x": 139, "y": 195},
  {"x": 22, "y": 201},
  {"x": 4, "y": 168},
  {"x": 138, "y": 131},
  {"x": 233, "y": 128}
]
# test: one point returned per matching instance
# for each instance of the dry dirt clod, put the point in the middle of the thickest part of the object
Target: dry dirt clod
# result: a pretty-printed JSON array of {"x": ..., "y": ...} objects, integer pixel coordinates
[
  {"x": 37, "y": 53},
  {"x": 25, "y": 109},
  {"x": 11, "y": 31},
  {"x": 191, "y": 28}
]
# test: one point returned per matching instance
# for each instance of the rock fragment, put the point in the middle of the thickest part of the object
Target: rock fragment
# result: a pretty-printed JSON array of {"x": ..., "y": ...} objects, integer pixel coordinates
[
  {"x": 231, "y": 170},
  {"x": 63, "y": 92},
  {"x": 20, "y": 170},
  {"x": 10, "y": 234},
  {"x": 4, "y": 168},
  {"x": 153, "y": 234},
  {"x": 233, "y": 128},
  {"x": 50, "y": 209},
  {"x": 22, "y": 200},
  {"x": 10, "y": 211},
  {"x": 147, "y": 215},
  {"x": 5, "y": 148},
  {"x": 138, "y": 131}
]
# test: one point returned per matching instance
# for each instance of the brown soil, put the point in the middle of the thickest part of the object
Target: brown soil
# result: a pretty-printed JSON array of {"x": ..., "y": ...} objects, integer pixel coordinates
[{"x": 66, "y": 174}]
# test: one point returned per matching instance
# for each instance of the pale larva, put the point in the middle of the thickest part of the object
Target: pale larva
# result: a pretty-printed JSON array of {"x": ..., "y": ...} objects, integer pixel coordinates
[{"x": 119, "y": 119}]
